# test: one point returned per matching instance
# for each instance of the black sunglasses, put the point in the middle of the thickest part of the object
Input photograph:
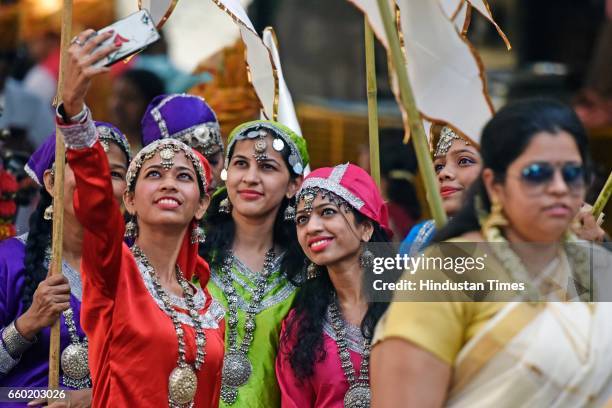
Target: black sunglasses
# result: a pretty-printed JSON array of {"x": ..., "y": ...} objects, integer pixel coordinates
[{"x": 541, "y": 173}]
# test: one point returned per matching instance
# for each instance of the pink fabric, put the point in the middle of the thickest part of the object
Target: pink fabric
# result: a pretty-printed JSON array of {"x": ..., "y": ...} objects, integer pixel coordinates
[
  {"x": 325, "y": 388},
  {"x": 360, "y": 184}
]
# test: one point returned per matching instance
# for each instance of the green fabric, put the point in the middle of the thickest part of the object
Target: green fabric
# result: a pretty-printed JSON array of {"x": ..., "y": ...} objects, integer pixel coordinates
[
  {"x": 298, "y": 141},
  {"x": 261, "y": 391}
]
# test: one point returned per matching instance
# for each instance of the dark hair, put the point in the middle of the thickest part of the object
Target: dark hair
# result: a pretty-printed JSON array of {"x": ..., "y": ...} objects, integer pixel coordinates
[
  {"x": 39, "y": 239},
  {"x": 504, "y": 139},
  {"x": 310, "y": 308},
  {"x": 148, "y": 83},
  {"x": 221, "y": 230}
]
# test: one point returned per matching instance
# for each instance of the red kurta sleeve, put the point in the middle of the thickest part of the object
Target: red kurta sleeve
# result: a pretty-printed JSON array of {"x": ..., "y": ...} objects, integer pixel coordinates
[{"x": 98, "y": 212}]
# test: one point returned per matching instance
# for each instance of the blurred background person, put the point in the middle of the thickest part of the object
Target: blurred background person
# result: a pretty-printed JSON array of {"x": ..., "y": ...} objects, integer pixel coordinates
[{"x": 131, "y": 93}]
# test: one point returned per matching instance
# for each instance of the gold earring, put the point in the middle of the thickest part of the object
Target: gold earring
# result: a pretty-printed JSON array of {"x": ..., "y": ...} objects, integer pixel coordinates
[{"x": 496, "y": 217}]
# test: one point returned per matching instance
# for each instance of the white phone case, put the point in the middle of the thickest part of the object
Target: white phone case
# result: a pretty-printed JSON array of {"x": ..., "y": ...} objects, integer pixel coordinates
[{"x": 134, "y": 33}]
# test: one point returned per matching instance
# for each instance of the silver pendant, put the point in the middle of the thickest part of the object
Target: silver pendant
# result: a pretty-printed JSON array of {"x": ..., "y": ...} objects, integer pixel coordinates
[
  {"x": 229, "y": 394},
  {"x": 74, "y": 361},
  {"x": 182, "y": 385},
  {"x": 358, "y": 396},
  {"x": 236, "y": 369}
]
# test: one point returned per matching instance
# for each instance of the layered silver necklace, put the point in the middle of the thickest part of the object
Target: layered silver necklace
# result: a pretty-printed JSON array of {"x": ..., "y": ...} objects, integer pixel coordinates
[
  {"x": 74, "y": 358},
  {"x": 237, "y": 367},
  {"x": 358, "y": 394},
  {"x": 183, "y": 381}
]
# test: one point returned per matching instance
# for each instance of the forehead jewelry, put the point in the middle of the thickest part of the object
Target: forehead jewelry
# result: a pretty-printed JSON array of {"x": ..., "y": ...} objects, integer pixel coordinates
[
  {"x": 167, "y": 156},
  {"x": 105, "y": 145},
  {"x": 308, "y": 201},
  {"x": 447, "y": 136},
  {"x": 278, "y": 144},
  {"x": 260, "y": 147}
]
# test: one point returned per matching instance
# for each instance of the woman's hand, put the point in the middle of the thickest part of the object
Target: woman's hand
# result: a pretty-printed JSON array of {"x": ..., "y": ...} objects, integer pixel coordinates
[
  {"x": 586, "y": 227},
  {"x": 82, "y": 54},
  {"x": 76, "y": 399},
  {"x": 51, "y": 298}
]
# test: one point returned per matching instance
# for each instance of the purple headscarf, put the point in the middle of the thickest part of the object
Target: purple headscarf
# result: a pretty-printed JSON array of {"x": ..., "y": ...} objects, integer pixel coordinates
[
  {"x": 44, "y": 157},
  {"x": 187, "y": 118}
]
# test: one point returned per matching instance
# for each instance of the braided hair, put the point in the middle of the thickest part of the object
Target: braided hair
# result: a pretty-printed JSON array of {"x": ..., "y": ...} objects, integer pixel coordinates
[{"x": 39, "y": 239}]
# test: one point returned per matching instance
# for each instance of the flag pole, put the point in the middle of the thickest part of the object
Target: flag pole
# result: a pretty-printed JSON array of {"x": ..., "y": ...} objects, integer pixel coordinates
[
  {"x": 603, "y": 198},
  {"x": 417, "y": 131},
  {"x": 372, "y": 102},
  {"x": 58, "y": 195}
]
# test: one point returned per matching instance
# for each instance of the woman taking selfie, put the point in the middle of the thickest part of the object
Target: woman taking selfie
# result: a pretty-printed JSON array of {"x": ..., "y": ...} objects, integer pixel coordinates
[
  {"x": 254, "y": 254},
  {"x": 535, "y": 175},
  {"x": 325, "y": 343},
  {"x": 154, "y": 338}
]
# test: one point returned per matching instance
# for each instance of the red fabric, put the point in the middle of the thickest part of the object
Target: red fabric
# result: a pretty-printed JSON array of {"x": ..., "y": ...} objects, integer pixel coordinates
[
  {"x": 206, "y": 165},
  {"x": 357, "y": 181},
  {"x": 132, "y": 343},
  {"x": 327, "y": 385}
]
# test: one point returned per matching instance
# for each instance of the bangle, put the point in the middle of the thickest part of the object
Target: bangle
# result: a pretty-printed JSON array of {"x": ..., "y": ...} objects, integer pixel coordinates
[
  {"x": 14, "y": 342},
  {"x": 78, "y": 118}
]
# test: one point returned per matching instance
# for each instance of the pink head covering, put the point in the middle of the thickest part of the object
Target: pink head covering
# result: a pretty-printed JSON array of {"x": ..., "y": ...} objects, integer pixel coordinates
[{"x": 355, "y": 186}]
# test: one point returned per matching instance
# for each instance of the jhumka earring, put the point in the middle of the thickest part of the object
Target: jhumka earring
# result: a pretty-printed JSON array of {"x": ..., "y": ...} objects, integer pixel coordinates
[
  {"x": 225, "y": 206},
  {"x": 289, "y": 214},
  {"x": 48, "y": 214},
  {"x": 366, "y": 259},
  {"x": 312, "y": 271},
  {"x": 198, "y": 235},
  {"x": 131, "y": 228},
  {"x": 496, "y": 217}
]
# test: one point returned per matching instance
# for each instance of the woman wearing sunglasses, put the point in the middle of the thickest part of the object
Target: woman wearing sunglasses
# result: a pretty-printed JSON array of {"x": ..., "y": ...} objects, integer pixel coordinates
[{"x": 519, "y": 353}]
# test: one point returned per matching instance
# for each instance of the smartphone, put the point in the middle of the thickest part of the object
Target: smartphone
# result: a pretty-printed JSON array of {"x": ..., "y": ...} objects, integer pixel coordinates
[{"x": 132, "y": 33}]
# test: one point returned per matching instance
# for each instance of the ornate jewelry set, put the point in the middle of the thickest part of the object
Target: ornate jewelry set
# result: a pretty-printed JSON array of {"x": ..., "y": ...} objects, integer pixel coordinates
[
  {"x": 358, "y": 394},
  {"x": 183, "y": 380},
  {"x": 237, "y": 368}
]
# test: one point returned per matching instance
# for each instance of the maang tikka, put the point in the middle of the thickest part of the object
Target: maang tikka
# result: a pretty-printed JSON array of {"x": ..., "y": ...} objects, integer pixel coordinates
[
  {"x": 167, "y": 157},
  {"x": 260, "y": 147}
]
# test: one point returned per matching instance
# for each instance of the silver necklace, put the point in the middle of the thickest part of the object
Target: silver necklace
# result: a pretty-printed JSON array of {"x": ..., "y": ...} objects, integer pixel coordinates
[
  {"x": 183, "y": 381},
  {"x": 358, "y": 394},
  {"x": 74, "y": 360},
  {"x": 237, "y": 367}
]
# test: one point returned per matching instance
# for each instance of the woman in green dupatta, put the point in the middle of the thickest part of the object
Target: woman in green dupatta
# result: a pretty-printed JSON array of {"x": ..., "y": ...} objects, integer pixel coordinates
[{"x": 255, "y": 258}]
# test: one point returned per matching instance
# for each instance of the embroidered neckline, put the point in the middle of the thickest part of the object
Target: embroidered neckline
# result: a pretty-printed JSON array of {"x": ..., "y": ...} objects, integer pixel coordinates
[
  {"x": 354, "y": 337},
  {"x": 210, "y": 319},
  {"x": 275, "y": 282}
]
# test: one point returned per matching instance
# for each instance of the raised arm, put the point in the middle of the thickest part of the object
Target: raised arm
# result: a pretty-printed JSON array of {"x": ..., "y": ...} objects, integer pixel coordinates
[{"x": 94, "y": 203}]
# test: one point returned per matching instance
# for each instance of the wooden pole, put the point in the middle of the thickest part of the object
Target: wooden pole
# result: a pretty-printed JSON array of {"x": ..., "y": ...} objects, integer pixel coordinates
[
  {"x": 417, "y": 132},
  {"x": 372, "y": 102},
  {"x": 603, "y": 198},
  {"x": 58, "y": 195}
]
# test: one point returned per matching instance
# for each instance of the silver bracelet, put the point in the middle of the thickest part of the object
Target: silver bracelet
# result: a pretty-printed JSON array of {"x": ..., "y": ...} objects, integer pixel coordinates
[{"x": 14, "y": 342}]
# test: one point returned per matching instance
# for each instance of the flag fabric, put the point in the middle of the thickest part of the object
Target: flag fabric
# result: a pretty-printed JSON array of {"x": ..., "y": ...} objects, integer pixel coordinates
[{"x": 445, "y": 71}]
